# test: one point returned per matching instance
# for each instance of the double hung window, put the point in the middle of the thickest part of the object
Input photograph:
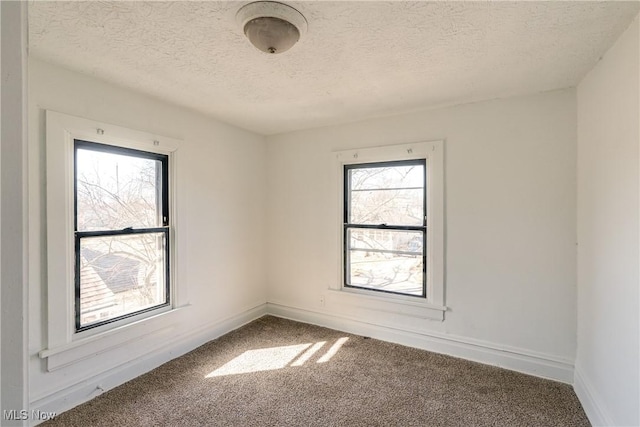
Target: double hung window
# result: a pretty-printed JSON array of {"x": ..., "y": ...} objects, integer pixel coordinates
[
  {"x": 121, "y": 233},
  {"x": 391, "y": 228},
  {"x": 385, "y": 227},
  {"x": 112, "y": 238}
]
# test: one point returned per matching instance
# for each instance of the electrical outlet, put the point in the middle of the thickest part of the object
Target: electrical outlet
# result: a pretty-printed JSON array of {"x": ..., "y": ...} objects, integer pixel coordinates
[{"x": 322, "y": 300}]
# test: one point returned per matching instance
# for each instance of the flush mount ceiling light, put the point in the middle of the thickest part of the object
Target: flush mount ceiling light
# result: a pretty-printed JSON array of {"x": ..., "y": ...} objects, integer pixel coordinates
[{"x": 270, "y": 26}]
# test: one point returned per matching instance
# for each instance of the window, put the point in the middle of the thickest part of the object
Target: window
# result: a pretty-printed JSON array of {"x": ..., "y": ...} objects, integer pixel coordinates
[
  {"x": 385, "y": 227},
  {"x": 121, "y": 232},
  {"x": 391, "y": 227},
  {"x": 113, "y": 269}
]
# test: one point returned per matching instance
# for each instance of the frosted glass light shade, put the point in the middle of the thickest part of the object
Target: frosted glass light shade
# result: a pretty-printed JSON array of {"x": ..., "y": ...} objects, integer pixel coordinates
[
  {"x": 270, "y": 26},
  {"x": 271, "y": 35}
]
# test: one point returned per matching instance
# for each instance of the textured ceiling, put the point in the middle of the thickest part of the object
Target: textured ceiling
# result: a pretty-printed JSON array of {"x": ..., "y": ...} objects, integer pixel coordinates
[{"x": 358, "y": 59}]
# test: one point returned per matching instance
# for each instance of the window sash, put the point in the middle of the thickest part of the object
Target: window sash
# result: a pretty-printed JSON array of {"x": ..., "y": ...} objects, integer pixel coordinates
[
  {"x": 166, "y": 261},
  {"x": 347, "y": 226},
  {"x": 163, "y": 182},
  {"x": 347, "y": 258},
  {"x": 347, "y": 186}
]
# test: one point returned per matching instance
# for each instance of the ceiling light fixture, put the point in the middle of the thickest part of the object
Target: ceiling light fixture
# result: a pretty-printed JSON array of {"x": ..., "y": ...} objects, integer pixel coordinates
[{"x": 270, "y": 26}]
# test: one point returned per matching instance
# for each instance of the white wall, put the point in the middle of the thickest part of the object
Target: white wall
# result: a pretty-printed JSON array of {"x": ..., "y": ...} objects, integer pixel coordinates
[
  {"x": 510, "y": 177},
  {"x": 607, "y": 375},
  {"x": 221, "y": 200},
  {"x": 13, "y": 225}
]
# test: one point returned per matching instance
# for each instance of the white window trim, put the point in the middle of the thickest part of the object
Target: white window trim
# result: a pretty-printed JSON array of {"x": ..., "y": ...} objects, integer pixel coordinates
[
  {"x": 433, "y": 306},
  {"x": 64, "y": 345}
]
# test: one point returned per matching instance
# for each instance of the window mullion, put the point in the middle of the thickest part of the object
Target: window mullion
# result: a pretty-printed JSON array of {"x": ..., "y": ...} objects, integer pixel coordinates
[
  {"x": 125, "y": 231},
  {"x": 388, "y": 227}
]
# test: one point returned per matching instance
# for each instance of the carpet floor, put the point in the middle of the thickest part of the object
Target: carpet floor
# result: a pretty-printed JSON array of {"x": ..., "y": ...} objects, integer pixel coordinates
[{"x": 276, "y": 372}]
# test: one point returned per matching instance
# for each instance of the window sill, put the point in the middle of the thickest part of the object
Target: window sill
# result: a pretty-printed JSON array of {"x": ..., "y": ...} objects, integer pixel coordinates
[
  {"x": 84, "y": 348},
  {"x": 389, "y": 303}
]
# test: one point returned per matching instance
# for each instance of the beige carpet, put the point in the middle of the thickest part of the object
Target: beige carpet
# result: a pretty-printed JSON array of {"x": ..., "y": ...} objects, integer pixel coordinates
[{"x": 275, "y": 372}]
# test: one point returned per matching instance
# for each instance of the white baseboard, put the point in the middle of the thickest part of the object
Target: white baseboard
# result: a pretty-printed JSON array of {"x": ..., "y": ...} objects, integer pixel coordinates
[
  {"x": 591, "y": 402},
  {"x": 537, "y": 364},
  {"x": 68, "y": 397}
]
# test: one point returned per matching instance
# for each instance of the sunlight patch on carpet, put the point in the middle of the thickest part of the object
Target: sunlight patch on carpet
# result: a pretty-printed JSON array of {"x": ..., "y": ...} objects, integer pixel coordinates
[
  {"x": 308, "y": 354},
  {"x": 263, "y": 359},
  {"x": 333, "y": 350},
  {"x": 269, "y": 359}
]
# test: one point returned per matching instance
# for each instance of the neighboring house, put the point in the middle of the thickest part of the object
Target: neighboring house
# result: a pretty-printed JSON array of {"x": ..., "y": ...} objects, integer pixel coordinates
[
  {"x": 110, "y": 284},
  {"x": 98, "y": 301},
  {"x": 119, "y": 273}
]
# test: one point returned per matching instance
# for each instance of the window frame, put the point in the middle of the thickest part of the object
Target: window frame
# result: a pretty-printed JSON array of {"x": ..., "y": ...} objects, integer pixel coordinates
[
  {"x": 433, "y": 306},
  {"x": 79, "y": 235},
  {"x": 65, "y": 346},
  {"x": 396, "y": 227}
]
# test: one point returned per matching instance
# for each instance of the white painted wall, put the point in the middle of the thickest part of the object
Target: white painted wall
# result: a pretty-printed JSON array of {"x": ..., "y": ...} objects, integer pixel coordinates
[
  {"x": 607, "y": 371},
  {"x": 13, "y": 224},
  {"x": 221, "y": 184},
  {"x": 510, "y": 200}
]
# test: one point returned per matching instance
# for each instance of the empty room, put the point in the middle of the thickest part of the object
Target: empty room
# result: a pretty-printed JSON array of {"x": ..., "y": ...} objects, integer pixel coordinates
[{"x": 320, "y": 213}]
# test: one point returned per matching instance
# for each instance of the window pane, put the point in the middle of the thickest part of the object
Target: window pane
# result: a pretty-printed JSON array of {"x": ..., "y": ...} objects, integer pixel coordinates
[
  {"x": 391, "y": 195},
  {"x": 120, "y": 275},
  {"x": 116, "y": 191},
  {"x": 386, "y": 260},
  {"x": 393, "y": 207}
]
